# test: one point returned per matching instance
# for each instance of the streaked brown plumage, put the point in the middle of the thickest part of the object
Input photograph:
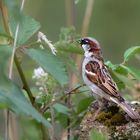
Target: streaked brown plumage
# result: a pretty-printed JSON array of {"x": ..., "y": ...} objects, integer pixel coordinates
[{"x": 97, "y": 77}]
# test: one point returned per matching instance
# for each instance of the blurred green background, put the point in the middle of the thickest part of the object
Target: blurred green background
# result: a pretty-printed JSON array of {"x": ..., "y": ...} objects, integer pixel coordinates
[{"x": 115, "y": 24}]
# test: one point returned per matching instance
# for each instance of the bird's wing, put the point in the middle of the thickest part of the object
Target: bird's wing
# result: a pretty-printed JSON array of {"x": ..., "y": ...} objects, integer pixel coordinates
[{"x": 97, "y": 73}]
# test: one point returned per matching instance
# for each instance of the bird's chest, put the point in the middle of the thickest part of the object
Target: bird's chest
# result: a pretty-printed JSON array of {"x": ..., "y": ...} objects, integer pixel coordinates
[{"x": 90, "y": 84}]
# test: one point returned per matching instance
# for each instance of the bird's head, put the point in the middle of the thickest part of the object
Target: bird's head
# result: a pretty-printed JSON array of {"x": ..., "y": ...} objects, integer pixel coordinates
[{"x": 90, "y": 45}]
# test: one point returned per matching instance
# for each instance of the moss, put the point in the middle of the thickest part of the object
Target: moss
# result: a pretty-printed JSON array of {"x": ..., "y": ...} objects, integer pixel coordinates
[
  {"x": 113, "y": 121},
  {"x": 108, "y": 119},
  {"x": 104, "y": 117},
  {"x": 118, "y": 119}
]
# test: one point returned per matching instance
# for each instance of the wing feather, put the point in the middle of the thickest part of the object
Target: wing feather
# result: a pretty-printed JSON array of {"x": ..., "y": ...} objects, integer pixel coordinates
[{"x": 99, "y": 75}]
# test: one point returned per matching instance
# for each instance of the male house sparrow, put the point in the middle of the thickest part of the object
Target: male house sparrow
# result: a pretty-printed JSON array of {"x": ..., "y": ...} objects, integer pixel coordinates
[{"x": 97, "y": 77}]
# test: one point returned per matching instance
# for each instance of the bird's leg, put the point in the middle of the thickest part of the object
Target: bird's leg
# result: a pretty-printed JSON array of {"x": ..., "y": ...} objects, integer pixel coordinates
[
  {"x": 100, "y": 105},
  {"x": 94, "y": 105}
]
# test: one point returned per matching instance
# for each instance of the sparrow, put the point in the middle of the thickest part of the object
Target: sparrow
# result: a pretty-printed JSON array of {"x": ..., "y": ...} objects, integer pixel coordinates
[{"x": 97, "y": 77}]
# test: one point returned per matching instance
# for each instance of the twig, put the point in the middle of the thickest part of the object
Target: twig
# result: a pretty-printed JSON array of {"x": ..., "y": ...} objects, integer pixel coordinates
[
  {"x": 67, "y": 93},
  {"x": 53, "y": 124},
  {"x": 74, "y": 90}
]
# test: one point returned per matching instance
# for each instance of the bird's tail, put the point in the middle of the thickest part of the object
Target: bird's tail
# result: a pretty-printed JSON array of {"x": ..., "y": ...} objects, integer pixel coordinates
[{"x": 128, "y": 109}]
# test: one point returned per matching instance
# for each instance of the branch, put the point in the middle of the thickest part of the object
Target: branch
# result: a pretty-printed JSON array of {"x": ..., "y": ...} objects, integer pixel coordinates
[{"x": 67, "y": 94}]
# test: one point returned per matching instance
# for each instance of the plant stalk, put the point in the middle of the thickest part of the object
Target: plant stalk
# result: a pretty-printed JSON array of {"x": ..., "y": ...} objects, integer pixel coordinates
[
  {"x": 5, "y": 19},
  {"x": 87, "y": 17},
  {"x": 15, "y": 44},
  {"x": 85, "y": 29},
  {"x": 4, "y": 13},
  {"x": 23, "y": 79}
]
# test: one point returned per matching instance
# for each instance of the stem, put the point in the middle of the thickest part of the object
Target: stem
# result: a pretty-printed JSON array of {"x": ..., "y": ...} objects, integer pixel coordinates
[
  {"x": 85, "y": 28},
  {"x": 6, "y": 26},
  {"x": 43, "y": 131},
  {"x": 14, "y": 57},
  {"x": 23, "y": 79},
  {"x": 68, "y": 101},
  {"x": 87, "y": 17},
  {"x": 69, "y": 126},
  {"x": 67, "y": 93},
  {"x": 70, "y": 19},
  {"x": 5, "y": 19},
  {"x": 70, "y": 12},
  {"x": 15, "y": 44},
  {"x": 4, "y": 13},
  {"x": 53, "y": 125},
  {"x": 6, "y": 124}
]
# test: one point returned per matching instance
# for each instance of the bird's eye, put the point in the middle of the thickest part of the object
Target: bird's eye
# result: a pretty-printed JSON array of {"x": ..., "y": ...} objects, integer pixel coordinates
[{"x": 84, "y": 41}]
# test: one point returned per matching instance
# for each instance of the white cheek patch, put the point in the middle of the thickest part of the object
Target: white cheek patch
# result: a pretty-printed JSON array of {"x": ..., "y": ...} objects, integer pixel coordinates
[{"x": 85, "y": 47}]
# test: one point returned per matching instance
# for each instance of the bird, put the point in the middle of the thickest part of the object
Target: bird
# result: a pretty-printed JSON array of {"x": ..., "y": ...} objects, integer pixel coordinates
[{"x": 98, "y": 78}]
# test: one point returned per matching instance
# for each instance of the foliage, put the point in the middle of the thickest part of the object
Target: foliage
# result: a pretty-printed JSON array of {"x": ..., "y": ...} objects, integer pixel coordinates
[
  {"x": 50, "y": 63},
  {"x": 95, "y": 135},
  {"x": 46, "y": 102},
  {"x": 130, "y": 52}
]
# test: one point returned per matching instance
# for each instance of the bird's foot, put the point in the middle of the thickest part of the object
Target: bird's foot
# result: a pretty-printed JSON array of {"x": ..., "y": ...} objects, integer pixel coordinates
[{"x": 94, "y": 106}]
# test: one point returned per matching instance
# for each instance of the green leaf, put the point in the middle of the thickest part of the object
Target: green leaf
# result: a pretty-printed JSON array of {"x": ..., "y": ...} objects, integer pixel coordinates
[
  {"x": 27, "y": 27},
  {"x": 95, "y": 135},
  {"x": 119, "y": 83},
  {"x": 50, "y": 63},
  {"x": 62, "y": 118},
  {"x": 121, "y": 70},
  {"x": 83, "y": 104},
  {"x": 11, "y": 95},
  {"x": 14, "y": 98},
  {"x": 133, "y": 71},
  {"x": 130, "y": 52},
  {"x": 61, "y": 108},
  {"x": 68, "y": 47},
  {"x": 110, "y": 65},
  {"x": 125, "y": 80},
  {"x": 117, "y": 68}
]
